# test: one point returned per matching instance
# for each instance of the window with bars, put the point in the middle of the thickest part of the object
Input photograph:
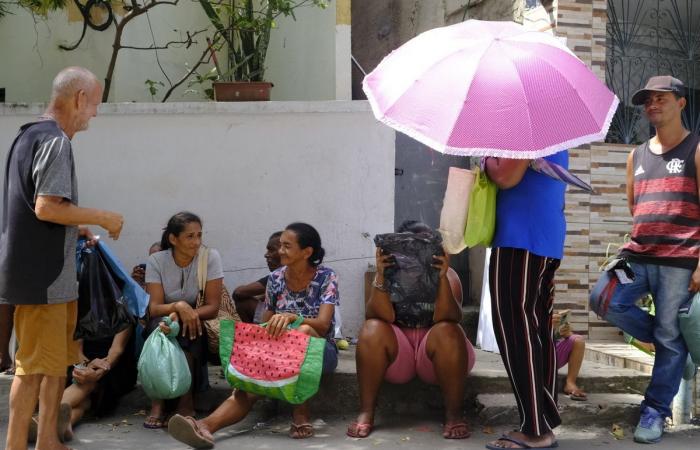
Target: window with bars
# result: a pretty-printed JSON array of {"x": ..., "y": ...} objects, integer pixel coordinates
[{"x": 647, "y": 38}]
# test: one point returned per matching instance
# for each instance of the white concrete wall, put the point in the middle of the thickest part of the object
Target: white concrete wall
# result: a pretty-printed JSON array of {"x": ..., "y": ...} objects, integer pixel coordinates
[
  {"x": 247, "y": 170},
  {"x": 30, "y": 57},
  {"x": 301, "y": 56}
]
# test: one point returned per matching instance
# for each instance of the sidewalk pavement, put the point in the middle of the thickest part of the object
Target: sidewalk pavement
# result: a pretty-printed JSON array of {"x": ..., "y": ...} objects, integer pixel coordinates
[{"x": 125, "y": 432}]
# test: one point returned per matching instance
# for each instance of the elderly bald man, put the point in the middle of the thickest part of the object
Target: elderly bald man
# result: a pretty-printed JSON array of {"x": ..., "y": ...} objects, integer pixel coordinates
[{"x": 40, "y": 229}]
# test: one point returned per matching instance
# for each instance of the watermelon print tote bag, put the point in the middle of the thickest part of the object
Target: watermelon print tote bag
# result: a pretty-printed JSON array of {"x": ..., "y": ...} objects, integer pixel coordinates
[{"x": 286, "y": 368}]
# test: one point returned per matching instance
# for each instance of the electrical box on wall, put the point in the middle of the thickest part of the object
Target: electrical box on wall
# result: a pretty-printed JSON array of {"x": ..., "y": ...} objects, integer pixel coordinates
[{"x": 2, "y": 95}]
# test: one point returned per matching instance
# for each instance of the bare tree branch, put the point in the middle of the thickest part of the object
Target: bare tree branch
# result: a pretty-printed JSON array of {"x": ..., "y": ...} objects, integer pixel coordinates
[
  {"x": 204, "y": 58},
  {"x": 186, "y": 42},
  {"x": 159, "y": 2}
]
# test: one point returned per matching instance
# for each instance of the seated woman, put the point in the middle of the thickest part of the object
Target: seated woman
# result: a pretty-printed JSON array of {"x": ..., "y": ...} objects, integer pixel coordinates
[
  {"x": 302, "y": 287},
  {"x": 396, "y": 349},
  {"x": 108, "y": 372},
  {"x": 171, "y": 282},
  {"x": 570, "y": 349}
]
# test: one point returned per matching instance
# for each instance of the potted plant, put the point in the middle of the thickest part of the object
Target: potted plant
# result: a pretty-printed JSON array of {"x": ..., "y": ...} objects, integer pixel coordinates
[{"x": 243, "y": 29}]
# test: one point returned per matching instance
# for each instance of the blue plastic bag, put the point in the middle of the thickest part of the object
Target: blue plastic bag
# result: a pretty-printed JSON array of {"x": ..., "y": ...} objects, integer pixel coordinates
[
  {"x": 163, "y": 369},
  {"x": 136, "y": 298}
]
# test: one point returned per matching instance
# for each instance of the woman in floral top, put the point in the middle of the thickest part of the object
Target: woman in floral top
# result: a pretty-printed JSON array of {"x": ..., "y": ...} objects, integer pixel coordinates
[
  {"x": 321, "y": 290},
  {"x": 302, "y": 287}
]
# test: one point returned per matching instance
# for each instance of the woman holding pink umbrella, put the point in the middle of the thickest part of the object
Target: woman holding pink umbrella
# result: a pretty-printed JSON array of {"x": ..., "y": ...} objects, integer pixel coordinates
[{"x": 527, "y": 248}]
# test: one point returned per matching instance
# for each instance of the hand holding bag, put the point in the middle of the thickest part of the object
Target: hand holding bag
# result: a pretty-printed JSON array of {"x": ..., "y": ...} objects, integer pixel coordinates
[
  {"x": 286, "y": 368},
  {"x": 163, "y": 369},
  {"x": 455, "y": 206},
  {"x": 481, "y": 219}
]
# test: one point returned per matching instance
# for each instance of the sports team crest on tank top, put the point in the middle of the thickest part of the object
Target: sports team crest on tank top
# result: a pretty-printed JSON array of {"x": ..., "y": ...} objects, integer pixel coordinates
[{"x": 666, "y": 217}]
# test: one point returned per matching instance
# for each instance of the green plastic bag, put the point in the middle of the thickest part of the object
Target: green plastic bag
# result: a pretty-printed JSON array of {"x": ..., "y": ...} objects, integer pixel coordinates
[
  {"x": 163, "y": 369},
  {"x": 689, "y": 322},
  {"x": 286, "y": 368},
  {"x": 481, "y": 220}
]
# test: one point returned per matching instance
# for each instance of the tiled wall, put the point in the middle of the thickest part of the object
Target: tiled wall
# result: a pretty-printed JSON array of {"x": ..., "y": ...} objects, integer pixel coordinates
[{"x": 594, "y": 220}]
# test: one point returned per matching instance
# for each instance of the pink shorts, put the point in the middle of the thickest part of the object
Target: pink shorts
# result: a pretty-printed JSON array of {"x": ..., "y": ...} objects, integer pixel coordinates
[
  {"x": 412, "y": 358},
  {"x": 564, "y": 347}
]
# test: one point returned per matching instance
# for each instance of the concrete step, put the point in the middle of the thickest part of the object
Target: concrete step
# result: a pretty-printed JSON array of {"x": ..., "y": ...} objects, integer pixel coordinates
[
  {"x": 338, "y": 392},
  {"x": 619, "y": 354},
  {"x": 599, "y": 409}
]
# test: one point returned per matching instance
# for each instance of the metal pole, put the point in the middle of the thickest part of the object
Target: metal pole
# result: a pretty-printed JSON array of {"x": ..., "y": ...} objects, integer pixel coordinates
[{"x": 683, "y": 401}]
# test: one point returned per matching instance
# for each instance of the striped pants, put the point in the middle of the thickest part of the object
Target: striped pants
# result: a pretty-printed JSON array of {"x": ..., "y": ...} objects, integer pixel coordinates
[{"x": 522, "y": 294}]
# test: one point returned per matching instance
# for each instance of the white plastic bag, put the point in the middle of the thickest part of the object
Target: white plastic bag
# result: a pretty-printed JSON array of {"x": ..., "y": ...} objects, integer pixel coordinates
[
  {"x": 453, "y": 217},
  {"x": 485, "y": 336},
  {"x": 337, "y": 332}
]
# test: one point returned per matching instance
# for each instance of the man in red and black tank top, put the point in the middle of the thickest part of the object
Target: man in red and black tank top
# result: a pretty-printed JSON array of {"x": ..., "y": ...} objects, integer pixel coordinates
[{"x": 661, "y": 259}]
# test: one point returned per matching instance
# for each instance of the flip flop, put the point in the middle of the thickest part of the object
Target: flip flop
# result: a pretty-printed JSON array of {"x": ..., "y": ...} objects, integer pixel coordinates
[
  {"x": 359, "y": 430},
  {"x": 298, "y": 431},
  {"x": 577, "y": 394},
  {"x": 517, "y": 442},
  {"x": 449, "y": 430},
  {"x": 186, "y": 430},
  {"x": 155, "y": 422}
]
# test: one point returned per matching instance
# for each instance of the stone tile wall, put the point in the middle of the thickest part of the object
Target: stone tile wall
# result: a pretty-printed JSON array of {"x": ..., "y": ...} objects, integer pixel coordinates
[{"x": 599, "y": 219}]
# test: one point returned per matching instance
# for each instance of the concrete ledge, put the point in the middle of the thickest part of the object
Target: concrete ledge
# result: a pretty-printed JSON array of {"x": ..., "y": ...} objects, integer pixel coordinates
[
  {"x": 619, "y": 355},
  {"x": 35, "y": 109},
  {"x": 600, "y": 409},
  {"x": 338, "y": 393}
]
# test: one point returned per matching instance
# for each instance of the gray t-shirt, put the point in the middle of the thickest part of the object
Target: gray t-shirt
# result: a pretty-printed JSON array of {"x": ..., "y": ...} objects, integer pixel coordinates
[
  {"x": 37, "y": 258},
  {"x": 180, "y": 283},
  {"x": 53, "y": 173}
]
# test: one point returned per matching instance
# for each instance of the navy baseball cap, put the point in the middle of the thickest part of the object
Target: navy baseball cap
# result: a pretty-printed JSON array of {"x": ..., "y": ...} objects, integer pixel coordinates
[{"x": 662, "y": 83}]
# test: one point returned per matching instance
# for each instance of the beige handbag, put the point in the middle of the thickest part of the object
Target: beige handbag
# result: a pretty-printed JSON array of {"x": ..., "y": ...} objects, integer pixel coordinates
[
  {"x": 455, "y": 206},
  {"x": 227, "y": 309}
]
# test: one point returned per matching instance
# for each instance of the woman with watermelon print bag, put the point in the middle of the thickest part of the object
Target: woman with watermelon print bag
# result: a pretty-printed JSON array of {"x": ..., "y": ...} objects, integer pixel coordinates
[
  {"x": 173, "y": 287},
  {"x": 398, "y": 342},
  {"x": 301, "y": 288}
]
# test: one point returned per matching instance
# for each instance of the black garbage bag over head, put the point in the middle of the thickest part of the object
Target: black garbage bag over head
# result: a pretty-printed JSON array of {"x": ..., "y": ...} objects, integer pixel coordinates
[
  {"x": 412, "y": 281},
  {"x": 102, "y": 310}
]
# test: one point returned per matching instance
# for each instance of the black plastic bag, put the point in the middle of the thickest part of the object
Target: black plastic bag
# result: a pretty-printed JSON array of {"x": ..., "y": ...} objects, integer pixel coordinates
[
  {"x": 102, "y": 310},
  {"x": 412, "y": 281}
]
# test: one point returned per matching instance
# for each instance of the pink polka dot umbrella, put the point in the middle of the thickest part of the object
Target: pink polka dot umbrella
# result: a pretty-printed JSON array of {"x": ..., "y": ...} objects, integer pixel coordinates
[{"x": 482, "y": 88}]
